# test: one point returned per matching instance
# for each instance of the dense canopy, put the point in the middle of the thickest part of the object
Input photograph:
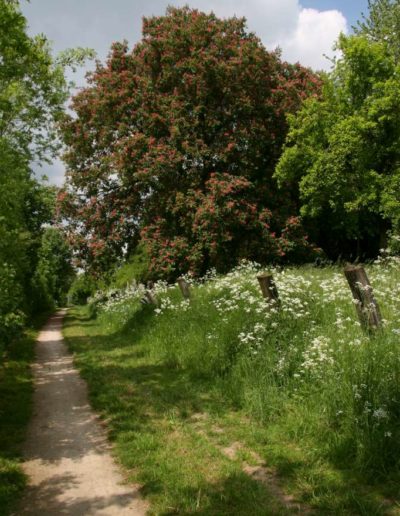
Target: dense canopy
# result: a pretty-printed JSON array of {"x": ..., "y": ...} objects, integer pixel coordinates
[
  {"x": 33, "y": 91},
  {"x": 343, "y": 149},
  {"x": 174, "y": 144}
]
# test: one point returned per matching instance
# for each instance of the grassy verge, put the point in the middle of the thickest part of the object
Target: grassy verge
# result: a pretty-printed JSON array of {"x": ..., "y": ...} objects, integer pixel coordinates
[
  {"x": 160, "y": 420},
  {"x": 214, "y": 415},
  {"x": 15, "y": 410}
]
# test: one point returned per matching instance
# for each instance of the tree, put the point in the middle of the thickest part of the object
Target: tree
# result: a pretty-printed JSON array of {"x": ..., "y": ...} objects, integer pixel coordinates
[
  {"x": 174, "y": 144},
  {"x": 382, "y": 24},
  {"x": 343, "y": 151},
  {"x": 33, "y": 91}
]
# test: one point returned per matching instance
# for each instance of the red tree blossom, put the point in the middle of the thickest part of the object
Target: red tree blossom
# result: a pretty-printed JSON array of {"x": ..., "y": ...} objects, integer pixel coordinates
[{"x": 175, "y": 143}]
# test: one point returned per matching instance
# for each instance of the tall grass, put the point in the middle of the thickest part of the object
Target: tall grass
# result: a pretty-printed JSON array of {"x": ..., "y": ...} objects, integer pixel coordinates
[{"x": 307, "y": 365}]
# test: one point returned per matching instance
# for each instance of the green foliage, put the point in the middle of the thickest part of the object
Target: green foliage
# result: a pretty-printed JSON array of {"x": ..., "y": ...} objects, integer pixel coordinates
[
  {"x": 382, "y": 24},
  {"x": 81, "y": 289},
  {"x": 33, "y": 92},
  {"x": 342, "y": 150},
  {"x": 74, "y": 57},
  {"x": 393, "y": 243},
  {"x": 33, "y": 89},
  {"x": 54, "y": 272},
  {"x": 11, "y": 318},
  {"x": 136, "y": 268}
]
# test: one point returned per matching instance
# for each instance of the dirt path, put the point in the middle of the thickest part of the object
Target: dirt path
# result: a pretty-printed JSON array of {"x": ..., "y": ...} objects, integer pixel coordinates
[{"x": 66, "y": 454}]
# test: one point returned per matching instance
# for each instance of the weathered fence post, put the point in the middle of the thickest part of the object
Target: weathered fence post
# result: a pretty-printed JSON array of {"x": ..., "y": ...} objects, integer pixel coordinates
[
  {"x": 185, "y": 288},
  {"x": 268, "y": 288},
  {"x": 149, "y": 297},
  {"x": 366, "y": 305}
]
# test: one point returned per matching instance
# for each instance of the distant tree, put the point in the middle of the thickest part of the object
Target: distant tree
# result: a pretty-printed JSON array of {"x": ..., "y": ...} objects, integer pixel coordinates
[
  {"x": 54, "y": 272},
  {"x": 175, "y": 143}
]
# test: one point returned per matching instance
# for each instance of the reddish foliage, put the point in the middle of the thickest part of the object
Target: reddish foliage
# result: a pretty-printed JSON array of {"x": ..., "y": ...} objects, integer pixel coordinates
[{"x": 176, "y": 141}]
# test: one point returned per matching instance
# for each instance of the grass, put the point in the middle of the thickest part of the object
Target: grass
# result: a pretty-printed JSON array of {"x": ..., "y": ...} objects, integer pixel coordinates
[
  {"x": 15, "y": 410},
  {"x": 155, "y": 418},
  {"x": 220, "y": 406}
]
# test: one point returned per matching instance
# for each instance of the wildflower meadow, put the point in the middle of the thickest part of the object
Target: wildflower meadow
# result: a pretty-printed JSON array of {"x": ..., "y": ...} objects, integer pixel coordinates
[{"x": 305, "y": 366}]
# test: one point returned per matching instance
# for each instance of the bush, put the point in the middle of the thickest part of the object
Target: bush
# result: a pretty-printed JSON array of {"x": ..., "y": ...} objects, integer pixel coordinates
[
  {"x": 54, "y": 270},
  {"x": 42, "y": 300},
  {"x": 135, "y": 268},
  {"x": 12, "y": 318},
  {"x": 393, "y": 243},
  {"x": 81, "y": 289}
]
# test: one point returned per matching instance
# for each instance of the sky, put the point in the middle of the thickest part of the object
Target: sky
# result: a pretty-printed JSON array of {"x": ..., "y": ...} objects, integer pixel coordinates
[{"x": 305, "y": 30}]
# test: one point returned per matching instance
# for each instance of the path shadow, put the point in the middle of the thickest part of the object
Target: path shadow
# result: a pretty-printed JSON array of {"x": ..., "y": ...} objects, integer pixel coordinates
[
  {"x": 45, "y": 499},
  {"x": 138, "y": 322}
]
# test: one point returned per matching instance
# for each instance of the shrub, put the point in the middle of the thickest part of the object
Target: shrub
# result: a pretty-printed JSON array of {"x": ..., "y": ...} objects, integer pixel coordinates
[
  {"x": 81, "y": 289},
  {"x": 12, "y": 318},
  {"x": 136, "y": 268}
]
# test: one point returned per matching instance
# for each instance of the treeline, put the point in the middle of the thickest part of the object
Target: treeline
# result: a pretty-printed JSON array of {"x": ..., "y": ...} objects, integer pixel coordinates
[
  {"x": 35, "y": 260},
  {"x": 199, "y": 147},
  {"x": 342, "y": 151}
]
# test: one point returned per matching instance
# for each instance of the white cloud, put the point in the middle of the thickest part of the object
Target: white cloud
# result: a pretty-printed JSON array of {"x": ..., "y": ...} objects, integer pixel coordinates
[
  {"x": 304, "y": 35},
  {"x": 314, "y": 37},
  {"x": 271, "y": 20}
]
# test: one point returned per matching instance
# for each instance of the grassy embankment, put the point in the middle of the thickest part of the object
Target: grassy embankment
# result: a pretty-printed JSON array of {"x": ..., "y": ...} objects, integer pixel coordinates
[
  {"x": 223, "y": 406},
  {"x": 15, "y": 411}
]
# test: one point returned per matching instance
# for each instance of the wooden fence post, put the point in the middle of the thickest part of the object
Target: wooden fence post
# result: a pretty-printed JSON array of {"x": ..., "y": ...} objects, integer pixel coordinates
[
  {"x": 268, "y": 288},
  {"x": 366, "y": 306},
  {"x": 149, "y": 297},
  {"x": 185, "y": 288}
]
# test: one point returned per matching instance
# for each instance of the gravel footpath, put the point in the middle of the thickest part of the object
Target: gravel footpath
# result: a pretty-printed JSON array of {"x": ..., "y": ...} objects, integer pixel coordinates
[{"x": 67, "y": 457}]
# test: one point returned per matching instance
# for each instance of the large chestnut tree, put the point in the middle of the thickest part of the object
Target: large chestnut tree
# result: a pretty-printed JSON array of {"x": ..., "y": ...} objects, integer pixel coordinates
[{"x": 174, "y": 144}]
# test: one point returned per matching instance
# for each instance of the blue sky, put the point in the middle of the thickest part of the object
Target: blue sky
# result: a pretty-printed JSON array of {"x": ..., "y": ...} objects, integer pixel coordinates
[
  {"x": 350, "y": 8},
  {"x": 305, "y": 30}
]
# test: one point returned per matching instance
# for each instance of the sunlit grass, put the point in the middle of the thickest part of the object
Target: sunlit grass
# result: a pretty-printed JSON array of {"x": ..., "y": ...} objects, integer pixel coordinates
[{"x": 303, "y": 387}]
